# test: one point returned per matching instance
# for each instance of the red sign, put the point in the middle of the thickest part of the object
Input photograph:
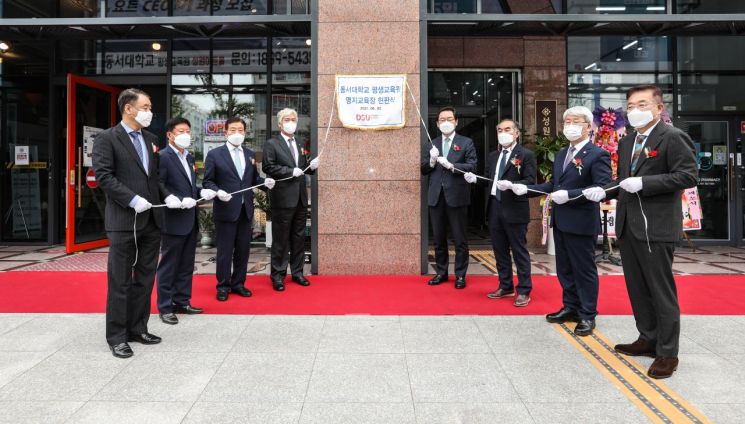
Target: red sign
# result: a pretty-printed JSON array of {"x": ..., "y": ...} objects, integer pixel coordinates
[
  {"x": 90, "y": 178},
  {"x": 742, "y": 127}
]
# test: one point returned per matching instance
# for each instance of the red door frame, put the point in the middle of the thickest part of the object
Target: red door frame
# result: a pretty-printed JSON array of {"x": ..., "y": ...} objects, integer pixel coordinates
[{"x": 72, "y": 82}]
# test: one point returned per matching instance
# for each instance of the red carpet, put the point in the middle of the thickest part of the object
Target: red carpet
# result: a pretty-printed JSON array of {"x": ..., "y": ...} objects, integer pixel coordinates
[{"x": 85, "y": 292}]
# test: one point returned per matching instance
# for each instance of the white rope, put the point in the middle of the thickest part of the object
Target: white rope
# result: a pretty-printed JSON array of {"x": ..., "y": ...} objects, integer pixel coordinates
[{"x": 201, "y": 199}]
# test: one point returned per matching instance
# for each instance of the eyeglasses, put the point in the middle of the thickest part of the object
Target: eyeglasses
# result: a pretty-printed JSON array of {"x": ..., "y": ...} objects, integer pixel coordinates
[
  {"x": 446, "y": 120},
  {"x": 640, "y": 105}
]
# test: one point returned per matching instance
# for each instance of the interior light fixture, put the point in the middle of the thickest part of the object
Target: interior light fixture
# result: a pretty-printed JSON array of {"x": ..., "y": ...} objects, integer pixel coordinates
[
  {"x": 156, "y": 46},
  {"x": 630, "y": 45},
  {"x": 4, "y": 46},
  {"x": 307, "y": 42},
  {"x": 610, "y": 9},
  {"x": 590, "y": 66}
]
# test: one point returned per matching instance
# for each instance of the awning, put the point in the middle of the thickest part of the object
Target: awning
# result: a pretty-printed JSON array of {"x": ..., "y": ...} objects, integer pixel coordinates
[{"x": 488, "y": 25}]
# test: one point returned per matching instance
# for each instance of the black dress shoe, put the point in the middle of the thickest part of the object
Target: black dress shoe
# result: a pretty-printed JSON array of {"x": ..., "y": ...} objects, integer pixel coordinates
[
  {"x": 584, "y": 327},
  {"x": 460, "y": 283},
  {"x": 121, "y": 350},
  {"x": 222, "y": 295},
  {"x": 437, "y": 279},
  {"x": 169, "y": 318},
  {"x": 242, "y": 291},
  {"x": 278, "y": 285},
  {"x": 187, "y": 309},
  {"x": 638, "y": 348},
  {"x": 145, "y": 338},
  {"x": 300, "y": 279},
  {"x": 562, "y": 316}
]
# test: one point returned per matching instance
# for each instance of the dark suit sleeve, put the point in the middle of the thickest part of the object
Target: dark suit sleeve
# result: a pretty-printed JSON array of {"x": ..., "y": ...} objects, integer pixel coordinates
[
  {"x": 601, "y": 176},
  {"x": 426, "y": 169},
  {"x": 270, "y": 164},
  {"x": 681, "y": 161},
  {"x": 208, "y": 181},
  {"x": 163, "y": 169},
  {"x": 529, "y": 169},
  {"x": 471, "y": 159},
  {"x": 103, "y": 166}
]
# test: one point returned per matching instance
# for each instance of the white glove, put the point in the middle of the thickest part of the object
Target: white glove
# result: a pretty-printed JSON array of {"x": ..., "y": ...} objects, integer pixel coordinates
[
  {"x": 470, "y": 177},
  {"x": 632, "y": 184},
  {"x": 433, "y": 154},
  {"x": 269, "y": 183},
  {"x": 297, "y": 172},
  {"x": 314, "y": 164},
  {"x": 188, "y": 203},
  {"x": 224, "y": 196},
  {"x": 207, "y": 194},
  {"x": 560, "y": 197},
  {"x": 519, "y": 189},
  {"x": 594, "y": 194},
  {"x": 172, "y": 202},
  {"x": 142, "y": 205},
  {"x": 444, "y": 162},
  {"x": 503, "y": 185}
]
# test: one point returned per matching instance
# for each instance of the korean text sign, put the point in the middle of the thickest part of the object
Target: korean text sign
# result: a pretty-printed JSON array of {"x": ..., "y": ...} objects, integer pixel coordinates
[{"x": 371, "y": 102}]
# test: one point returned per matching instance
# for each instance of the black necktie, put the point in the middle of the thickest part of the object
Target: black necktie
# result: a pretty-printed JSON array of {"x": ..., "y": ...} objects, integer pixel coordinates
[{"x": 502, "y": 165}]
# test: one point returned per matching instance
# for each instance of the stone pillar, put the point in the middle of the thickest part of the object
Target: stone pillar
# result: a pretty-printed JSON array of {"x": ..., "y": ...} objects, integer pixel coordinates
[{"x": 369, "y": 181}]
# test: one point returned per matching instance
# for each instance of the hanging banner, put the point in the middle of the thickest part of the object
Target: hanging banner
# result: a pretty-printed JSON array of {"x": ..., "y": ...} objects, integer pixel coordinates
[
  {"x": 371, "y": 102},
  {"x": 691, "y": 205}
]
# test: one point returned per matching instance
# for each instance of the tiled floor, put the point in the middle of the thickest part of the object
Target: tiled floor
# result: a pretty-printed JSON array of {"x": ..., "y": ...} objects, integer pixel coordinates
[
  {"x": 342, "y": 369},
  {"x": 704, "y": 260}
]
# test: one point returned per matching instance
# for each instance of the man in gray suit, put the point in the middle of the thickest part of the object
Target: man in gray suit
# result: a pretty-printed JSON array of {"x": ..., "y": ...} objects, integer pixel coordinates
[
  {"x": 655, "y": 164},
  {"x": 127, "y": 171}
]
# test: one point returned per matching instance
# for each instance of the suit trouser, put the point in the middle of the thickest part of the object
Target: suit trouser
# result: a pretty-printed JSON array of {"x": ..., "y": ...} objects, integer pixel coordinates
[
  {"x": 506, "y": 237},
  {"x": 233, "y": 240},
  {"x": 652, "y": 292},
  {"x": 288, "y": 235},
  {"x": 175, "y": 270},
  {"x": 442, "y": 217},
  {"x": 577, "y": 272},
  {"x": 130, "y": 288}
]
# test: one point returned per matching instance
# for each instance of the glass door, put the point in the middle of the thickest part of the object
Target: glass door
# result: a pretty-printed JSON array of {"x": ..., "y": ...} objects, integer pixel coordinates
[
  {"x": 91, "y": 108},
  {"x": 716, "y": 178},
  {"x": 736, "y": 161}
]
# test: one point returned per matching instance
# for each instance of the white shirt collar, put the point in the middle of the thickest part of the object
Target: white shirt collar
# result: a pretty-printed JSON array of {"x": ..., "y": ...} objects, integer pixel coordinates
[
  {"x": 509, "y": 149},
  {"x": 451, "y": 136},
  {"x": 128, "y": 129},
  {"x": 231, "y": 147},
  {"x": 580, "y": 145},
  {"x": 649, "y": 131},
  {"x": 287, "y": 139},
  {"x": 185, "y": 154}
]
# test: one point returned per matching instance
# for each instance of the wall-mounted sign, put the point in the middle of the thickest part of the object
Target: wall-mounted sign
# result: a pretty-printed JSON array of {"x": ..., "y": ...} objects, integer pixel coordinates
[
  {"x": 21, "y": 155},
  {"x": 719, "y": 153},
  {"x": 89, "y": 135},
  {"x": 545, "y": 117},
  {"x": 371, "y": 102}
]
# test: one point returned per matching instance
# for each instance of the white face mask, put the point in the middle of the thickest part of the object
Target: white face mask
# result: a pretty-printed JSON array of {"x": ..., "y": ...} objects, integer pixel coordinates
[
  {"x": 183, "y": 140},
  {"x": 289, "y": 127},
  {"x": 640, "y": 118},
  {"x": 447, "y": 127},
  {"x": 572, "y": 132},
  {"x": 505, "y": 139},
  {"x": 144, "y": 118},
  {"x": 236, "y": 139}
]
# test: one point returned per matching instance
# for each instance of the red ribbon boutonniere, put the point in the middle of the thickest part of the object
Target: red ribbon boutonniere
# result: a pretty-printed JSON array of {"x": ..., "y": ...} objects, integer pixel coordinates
[
  {"x": 516, "y": 162},
  {"x": 456, "y": 148},
  {"x": 578, "y": 164},
  {"x": 650, "y": 153},
  {"x": 306, "y": 152}
]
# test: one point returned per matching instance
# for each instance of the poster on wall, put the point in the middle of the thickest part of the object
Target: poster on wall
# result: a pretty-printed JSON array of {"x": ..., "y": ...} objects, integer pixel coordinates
[
  {"x": 25, "y": 200},
  {"x": 89, "y": 135},
  {"x": 371, "y": 102},
  {"x": 21, "y": 155}
]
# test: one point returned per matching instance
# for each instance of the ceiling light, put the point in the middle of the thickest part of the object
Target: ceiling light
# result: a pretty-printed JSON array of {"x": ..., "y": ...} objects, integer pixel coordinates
[
  {"x": 610, "y": 8},
  {"x": 631, "y": 44},
  {"x": 79, "y": 28},
  {"x": 655, "y": 8},
  {"x": 307, "y": 42},
  {"x": 4, "y": 46},
  {"x": 590, "y": 66},
  {"x": 156, "y": 46}
]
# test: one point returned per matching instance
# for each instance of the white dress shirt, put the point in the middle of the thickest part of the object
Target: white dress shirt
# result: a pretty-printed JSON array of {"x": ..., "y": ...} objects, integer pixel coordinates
[
  {"x": 182, "y": 158},
  {"x": 292, "y": 146},
  {"x": 241, "y": 155},
  {"x": 505, "y": 151},
  {"x": 646, "y": 136}
]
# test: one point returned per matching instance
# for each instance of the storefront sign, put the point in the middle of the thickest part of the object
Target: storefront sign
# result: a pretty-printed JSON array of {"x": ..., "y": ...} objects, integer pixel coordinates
[
  {"x": 89, "y": 134},
  {"x": 371, "y": 102},
  {"x": 545, "y": 117},
  {"x": 742, "y": 127},
  {"x": 21, "y": 155},
  {"x": 214, "y": 131},
  {"x": 119, "y": 8},
  {"x": 199, "y": 61}
]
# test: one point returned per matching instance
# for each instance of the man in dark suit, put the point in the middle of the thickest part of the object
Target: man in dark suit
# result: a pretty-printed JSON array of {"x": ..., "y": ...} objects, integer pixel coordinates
[
  {"x": 127, "y": 171},
  {"x": 509, "y": 214},
  {"x": 655, "y": 164},
  {"x": 227, "y": 169},
  {"x": 284, "y": 160},
  {"x": 179, "y": 229},
  {"x": 448, "y": 196},
  {"x": 576, "y": 223}
]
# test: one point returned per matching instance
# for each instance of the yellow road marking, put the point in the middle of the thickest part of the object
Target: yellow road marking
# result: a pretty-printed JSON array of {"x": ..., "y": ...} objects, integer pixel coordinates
[{"x": 653, "y": 397}]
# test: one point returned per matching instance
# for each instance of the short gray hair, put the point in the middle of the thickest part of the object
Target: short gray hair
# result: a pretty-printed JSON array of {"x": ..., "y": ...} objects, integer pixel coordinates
[
  {"x": 285, "y": 112},
  {"x": 579, "y": 111}
]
